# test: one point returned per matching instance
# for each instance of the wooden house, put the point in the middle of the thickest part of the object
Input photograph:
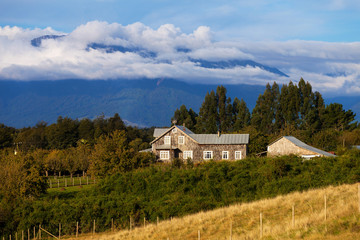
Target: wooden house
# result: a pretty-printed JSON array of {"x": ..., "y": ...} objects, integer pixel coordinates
[
  {"x": 288, "y": 145},
  {"x": 180, "y": 142}
]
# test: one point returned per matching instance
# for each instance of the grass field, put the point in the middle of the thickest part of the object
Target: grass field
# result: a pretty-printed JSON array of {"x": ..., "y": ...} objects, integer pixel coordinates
[{"x": 243, "y": 221}]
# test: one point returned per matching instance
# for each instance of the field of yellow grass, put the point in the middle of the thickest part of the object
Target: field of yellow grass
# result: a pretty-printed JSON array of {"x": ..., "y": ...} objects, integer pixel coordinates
[{"x": 242, "y": 221}]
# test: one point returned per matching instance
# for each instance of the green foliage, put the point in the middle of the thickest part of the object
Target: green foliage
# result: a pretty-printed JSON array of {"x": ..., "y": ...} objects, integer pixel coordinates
[{"x": 164, "y": 191}]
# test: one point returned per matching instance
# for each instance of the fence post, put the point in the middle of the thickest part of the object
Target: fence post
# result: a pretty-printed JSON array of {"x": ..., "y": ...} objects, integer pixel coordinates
[
  {"x": 59, "y": 230},
  {"x": 77, "y": 229},
  {"x": 112, "y": 224},
  {"x": 130, "y": 223},
  {"x": 28, "y": 234},
  {"x": 34, "y": 233},
  {"x": 16, "y": 236},
  {"x": 325, "y": 206},
  {"x": 293, "y": 216},
  {"x": 199, "y": 236},
  {"x": 359, "y": 195},
  {"x": 94, "y": 227},
  {"x": 10, "y": 237},
  {"x": 65, "y": 182},
  {"x": 144, "y": 221},
  {"x": 231, "y": 230},
  {"x": 261, "y": 226},
  {"x": 39, "y": 231},
  {"x": 50, "y": 184},
  {"x": 80, "y": 181},
  {"x": 73, "y": 181},
  {"x": 22, "y": 234},
  {"x": 58, "y": 183},
  {"x": 157, "y": 220},
  {"x": 87, "y": 180}
]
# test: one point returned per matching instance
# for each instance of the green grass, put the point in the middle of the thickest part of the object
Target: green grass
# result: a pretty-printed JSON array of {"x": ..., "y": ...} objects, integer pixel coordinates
[{"x": 68, "y": 192}]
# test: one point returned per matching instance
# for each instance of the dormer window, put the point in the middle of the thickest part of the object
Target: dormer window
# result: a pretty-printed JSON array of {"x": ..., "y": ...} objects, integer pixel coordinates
[{"x": 174, "y": 130}]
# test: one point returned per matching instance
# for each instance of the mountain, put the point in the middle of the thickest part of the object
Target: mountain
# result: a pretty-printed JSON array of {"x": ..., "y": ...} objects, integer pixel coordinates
[
  {"x": 145, "y": 53},
  {"x": 142, "y": 102},
  {"x": 36, "y": 42},
  {"x": 146, "y": 102},
  {"x": 237, "y": 63}
]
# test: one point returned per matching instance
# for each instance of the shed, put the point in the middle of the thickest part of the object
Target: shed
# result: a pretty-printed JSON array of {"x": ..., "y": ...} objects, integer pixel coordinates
[{"x": 288, "y": 145}]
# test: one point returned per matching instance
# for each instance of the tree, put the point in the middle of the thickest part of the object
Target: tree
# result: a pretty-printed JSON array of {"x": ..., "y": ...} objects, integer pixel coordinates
[
  {"x": 111, "y": 154},
  {"x": 263, "y": 114},
  {"x": 241, "y": 113},
  {"x": 6, "y": 133},
  {"x": 63, "y": 134},
  {"x": 207, "y": 121},
  {"x": 335, "y": 117},
  {"x": 184, "y": 116}
]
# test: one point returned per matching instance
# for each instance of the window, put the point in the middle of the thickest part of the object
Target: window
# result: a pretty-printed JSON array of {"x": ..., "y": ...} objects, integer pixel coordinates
[
  {"x": 174, "y": 130},
  {"x": 225, "y": 155},
  {"x": 187, "y": 154},
  {"x": 237, "y": 155},
  {"x": 164, "y": 154},
  {"x": 181, "y": 139},
  {"x": 208, "y": 155},
  {"x": 167, "y": 140}
]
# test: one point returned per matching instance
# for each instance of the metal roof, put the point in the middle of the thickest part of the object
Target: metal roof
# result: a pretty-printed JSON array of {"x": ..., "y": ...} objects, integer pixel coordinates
[
  {"x": 222, "y": 139},
  {"x": 301, "y": 144},
  {"x": 159, "y": 131},
  {"x": 206, "y": 138}
]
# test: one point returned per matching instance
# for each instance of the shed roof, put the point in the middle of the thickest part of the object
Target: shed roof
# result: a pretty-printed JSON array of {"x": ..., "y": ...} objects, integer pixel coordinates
[{"x": 303, "y": 145}]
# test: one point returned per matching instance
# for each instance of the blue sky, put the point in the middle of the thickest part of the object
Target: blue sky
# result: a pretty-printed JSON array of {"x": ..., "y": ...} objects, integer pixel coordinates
[
  {"x": 316, "y": 40},
  {"x": 321, "y": 20}
]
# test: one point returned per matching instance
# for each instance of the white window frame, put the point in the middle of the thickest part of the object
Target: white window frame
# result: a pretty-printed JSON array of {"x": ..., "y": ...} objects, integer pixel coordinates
[
  {"x": 187, "y": 154},
  {"x": 238, "y": 157},
  {"x": 182, "y": 140},
  {"x": 205, "y": 153},
  {"x": 167, "y": 140},
  {"x": 174, "y": 130},
  {"x": 227, "y": 155},
  {"x": 164, "y": 155}
]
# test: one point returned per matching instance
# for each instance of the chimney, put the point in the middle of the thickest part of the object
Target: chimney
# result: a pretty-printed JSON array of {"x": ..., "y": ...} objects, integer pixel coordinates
[{"x": 183, "y": 126}]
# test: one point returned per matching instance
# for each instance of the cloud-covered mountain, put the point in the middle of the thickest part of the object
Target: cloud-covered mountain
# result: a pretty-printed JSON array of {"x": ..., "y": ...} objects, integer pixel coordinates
[{"x": 99, "y": 50}]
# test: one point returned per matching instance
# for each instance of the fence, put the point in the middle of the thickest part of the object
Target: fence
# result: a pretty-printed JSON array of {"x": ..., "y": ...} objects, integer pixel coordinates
[
  {"x": 67, "y": 181},
  {"x": 40, "y": 232}
]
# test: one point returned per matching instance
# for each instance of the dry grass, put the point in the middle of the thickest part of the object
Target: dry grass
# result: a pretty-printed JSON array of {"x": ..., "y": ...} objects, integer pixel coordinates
[{"x": 342, "y": 219}]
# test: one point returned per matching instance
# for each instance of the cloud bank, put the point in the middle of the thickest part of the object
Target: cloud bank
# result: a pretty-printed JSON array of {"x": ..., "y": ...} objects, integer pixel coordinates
[{"x": 99, "y": 50}]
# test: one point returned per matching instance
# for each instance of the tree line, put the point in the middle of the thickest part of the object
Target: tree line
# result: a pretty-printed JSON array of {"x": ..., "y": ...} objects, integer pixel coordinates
[
  {"x": 67, "y": 132},
  {"x": 292, "y": 110}
]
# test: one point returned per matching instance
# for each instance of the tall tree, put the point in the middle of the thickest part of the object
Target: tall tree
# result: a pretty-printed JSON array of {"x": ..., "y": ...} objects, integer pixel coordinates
[
  {"x": 207, "y": 121},
  {"x": 241, "y": 114},
  {"x": 264, "y": 111}
]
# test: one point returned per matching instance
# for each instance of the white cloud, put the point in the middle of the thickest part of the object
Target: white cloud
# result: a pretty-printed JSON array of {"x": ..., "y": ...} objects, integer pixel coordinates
[{"x": 329, "y": 67}]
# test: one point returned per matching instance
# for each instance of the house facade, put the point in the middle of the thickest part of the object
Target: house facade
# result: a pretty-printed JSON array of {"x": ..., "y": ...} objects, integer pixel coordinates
[
  {"x": 288, "y": 145},
  {"x": 180, "y": 142}
]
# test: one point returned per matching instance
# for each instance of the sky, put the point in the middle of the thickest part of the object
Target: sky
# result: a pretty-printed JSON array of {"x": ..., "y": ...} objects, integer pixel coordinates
[{"x": 316, "y": 40}]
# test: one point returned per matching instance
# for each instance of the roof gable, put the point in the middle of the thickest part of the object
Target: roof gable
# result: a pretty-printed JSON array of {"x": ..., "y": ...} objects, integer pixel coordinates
[{"x": 303, "y": 145}]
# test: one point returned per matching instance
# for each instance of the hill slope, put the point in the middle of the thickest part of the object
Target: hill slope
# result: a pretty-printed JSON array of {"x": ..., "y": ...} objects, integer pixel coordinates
[
  {"x": 342, "y": 219},
  {"x": 146, "y": 102}
]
